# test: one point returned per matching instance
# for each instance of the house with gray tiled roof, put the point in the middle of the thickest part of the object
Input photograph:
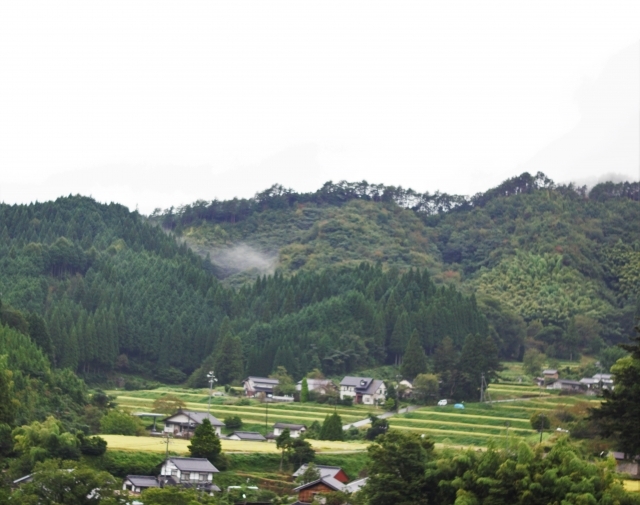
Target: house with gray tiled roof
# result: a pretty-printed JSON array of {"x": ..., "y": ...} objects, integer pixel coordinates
[
  {"x": 248, "y": 436},
  {"x": 186, "y": 472},
  {"x": 184, "y": 422},
  {"x": 365, "y": 390}
]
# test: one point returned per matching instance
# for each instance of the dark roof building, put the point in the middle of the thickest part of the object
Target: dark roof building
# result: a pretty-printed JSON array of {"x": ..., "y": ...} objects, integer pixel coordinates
[
  {"x": 325, "y": 471},
  {"x": 184, "y": 422},
  {"x": 138, "y": 483},
  {"x": 252, "y": 436}
]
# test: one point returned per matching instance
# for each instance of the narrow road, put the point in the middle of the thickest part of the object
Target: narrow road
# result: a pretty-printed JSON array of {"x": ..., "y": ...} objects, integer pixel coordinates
[{"x": 386, "y": 415}]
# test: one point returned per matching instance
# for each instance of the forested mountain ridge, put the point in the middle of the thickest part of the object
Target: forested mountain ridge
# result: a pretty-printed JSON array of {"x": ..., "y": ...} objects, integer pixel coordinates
[
  {"x": 547, "y": 252},
  {"x": 100, "y": 288}
]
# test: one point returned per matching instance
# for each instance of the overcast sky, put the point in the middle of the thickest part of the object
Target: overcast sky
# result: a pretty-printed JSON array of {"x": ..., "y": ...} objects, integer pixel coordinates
[{"x": 153, "y": 104}]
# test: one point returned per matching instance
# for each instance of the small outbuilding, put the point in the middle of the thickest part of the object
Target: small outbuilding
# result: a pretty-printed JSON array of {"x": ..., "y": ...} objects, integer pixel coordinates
[{"x": 247, "y": 436}]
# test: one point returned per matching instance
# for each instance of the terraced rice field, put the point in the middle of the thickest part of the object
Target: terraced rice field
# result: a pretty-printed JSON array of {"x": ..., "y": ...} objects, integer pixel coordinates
[
  {"x": 476, "y": 425},
  {"x": 179, "y": 446}
]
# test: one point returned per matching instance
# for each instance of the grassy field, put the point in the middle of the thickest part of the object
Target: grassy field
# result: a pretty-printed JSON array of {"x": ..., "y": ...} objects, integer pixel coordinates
[{"x": 476, "y": 425}]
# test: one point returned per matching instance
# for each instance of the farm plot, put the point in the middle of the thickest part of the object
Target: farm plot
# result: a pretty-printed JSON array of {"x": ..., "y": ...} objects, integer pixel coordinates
[
  {"x": 476, "y": 424},
  {"x": 180, "y": 446},
  {"x": 254, "y": 414}
]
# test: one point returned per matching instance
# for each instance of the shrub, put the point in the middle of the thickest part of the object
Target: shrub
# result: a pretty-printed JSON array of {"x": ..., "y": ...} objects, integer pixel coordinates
[
  {"x": 539, "y": 419},
  {"x": 233, "y": 422},
  {"x": 170, "y": 375},
  {"x": 92, "y": 446},
  {"x": 117, "y": 422}
]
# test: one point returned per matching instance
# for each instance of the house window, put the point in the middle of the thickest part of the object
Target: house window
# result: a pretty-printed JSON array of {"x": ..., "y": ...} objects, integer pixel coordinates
[
  {"x": 174, "y": 473},
  {"x": 203, "y": 477}
]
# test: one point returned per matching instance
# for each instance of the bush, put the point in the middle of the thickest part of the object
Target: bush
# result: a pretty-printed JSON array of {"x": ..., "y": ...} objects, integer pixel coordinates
[
  {"x": 233, "y": 422},
  {"x": 92, "y": 446},
  {"x": 539, "y": 419},
  {"x": 170, "y": 375},
  {"x": 123, "y": 463},
  {"x": 244, "y": 402},
  {"x": 347, "y": 401},
  {"x": 117, "y": 422}
]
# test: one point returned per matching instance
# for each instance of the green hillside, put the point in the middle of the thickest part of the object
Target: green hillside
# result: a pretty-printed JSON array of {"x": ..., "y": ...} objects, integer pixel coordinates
[
  {"x": 358, "y": 269},
  {"x": 544, "y": 252},
  {"x": 110, "y": 292}
]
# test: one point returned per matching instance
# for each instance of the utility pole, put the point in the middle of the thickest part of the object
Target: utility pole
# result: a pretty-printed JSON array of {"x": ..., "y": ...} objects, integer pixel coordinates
[
  {"x": 212, "y": 379},
  {"x": 484, "y": 387},
  {"x": 541, "y": 426},
  {"x": 266, "y": 415},
  {"x": 506, "y": 442}
]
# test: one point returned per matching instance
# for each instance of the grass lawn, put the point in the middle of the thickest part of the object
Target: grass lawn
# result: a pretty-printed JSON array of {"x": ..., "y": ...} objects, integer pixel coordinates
[{"x": 179, "y": 446}]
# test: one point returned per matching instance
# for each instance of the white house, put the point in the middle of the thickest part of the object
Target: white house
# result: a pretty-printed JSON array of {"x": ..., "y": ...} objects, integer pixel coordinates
[
  {"x": 255, "y": 385},
  {"x": 567, "y": 385},
  {"x": 295, "y": 430},
  {"x": 138, "y": 483},
  {"x": 321, "y": 386},
  {"x": 188, "y": 472},
  {"x": 184, "y": 422},
  {"x": 196, "y": 472},
  {"x": 363, "y": 390}
]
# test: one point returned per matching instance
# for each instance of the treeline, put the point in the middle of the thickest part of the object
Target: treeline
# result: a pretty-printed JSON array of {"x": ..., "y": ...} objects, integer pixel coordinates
[{"x": 278, "y": 197}]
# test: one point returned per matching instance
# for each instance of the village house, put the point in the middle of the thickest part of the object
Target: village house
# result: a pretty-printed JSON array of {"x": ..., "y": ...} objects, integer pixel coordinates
[
  {"x": 184, "y": 422},
  {"x": 405, "y": 389},
  {"x": 320, "y": 386},
  {"x": 138, "y": 483},
  {"x": 630, "y": 466},
  {"x": 568, "y": 386},
  {"x": 307, "y": 492},
  {"x": 325, "y": 471},
  {"x": 188, "y": 472},
  {"x": 255, "y": 385},
  {"x": 598, "y": 381},
  {"x": 246, "y": 436},
  {"x": 295, "y": 430},
  {"x": 550, "y": 374},
  {"x": 363, "y": 390}
]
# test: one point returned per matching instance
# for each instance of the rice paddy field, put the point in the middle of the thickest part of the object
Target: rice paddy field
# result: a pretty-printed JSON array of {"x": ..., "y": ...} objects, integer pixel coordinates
[
  {"x": 504, "y": 420},
  {"x": 179, "y": 446},
  {"x": 632, "y": 485}
]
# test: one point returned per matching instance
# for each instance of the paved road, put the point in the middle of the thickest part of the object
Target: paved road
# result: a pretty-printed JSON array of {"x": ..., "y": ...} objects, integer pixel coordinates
[{"x": 386, "y": 415}]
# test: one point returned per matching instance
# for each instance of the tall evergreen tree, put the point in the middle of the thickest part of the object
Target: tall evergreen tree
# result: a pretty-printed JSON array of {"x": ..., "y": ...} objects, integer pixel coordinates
[
  {"x": 400, "y": 336},
  {"x": 304, "y": 391},
  {"x": 414, "y": 361},
  {"x": 332, "y": 428},
  {"x": 205, "y": 443},
  {"x": 228, "y": 362}
]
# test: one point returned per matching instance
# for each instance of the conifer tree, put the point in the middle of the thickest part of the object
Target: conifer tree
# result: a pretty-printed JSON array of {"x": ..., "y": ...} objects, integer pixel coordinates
[
  {"x": 228, "y": 363},
  {"x": 414, "y": 361},
  {"x": 304, "y": 391},
  {"x": 332, "y": 428},
  {"x": 400, "y": 336},
  {"x": 205, "y": 442}
]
